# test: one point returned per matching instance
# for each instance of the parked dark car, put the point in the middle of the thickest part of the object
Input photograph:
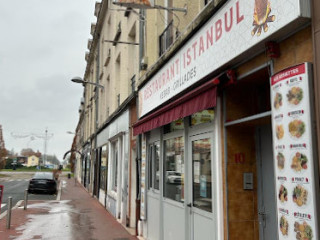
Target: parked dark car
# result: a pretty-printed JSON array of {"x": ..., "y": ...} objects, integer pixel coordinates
[{"x": 43, "y": 182}]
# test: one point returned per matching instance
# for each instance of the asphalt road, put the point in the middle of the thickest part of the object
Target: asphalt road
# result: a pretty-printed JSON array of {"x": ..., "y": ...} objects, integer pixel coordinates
[{"x": 15, "y": 184}]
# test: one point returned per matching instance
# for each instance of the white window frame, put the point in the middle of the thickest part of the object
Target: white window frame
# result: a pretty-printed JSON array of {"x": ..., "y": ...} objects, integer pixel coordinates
[
  {"x": 115, "y": 166},
  {"x": 152, "y": 166}
]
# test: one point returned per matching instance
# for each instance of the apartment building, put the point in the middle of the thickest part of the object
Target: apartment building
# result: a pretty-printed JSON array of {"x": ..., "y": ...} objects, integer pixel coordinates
[
  {"x": 107, "y": 110},
  {"x": 204, "y": 120}
]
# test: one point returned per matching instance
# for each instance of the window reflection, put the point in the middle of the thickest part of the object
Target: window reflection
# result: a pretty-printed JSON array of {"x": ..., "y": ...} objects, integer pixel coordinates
[
  {"x": 115, "y": 166},
  {"x": 201, "y": 159},
  {"x": 174, "y": 126},
  {"x": 204, "y": 116},
  {"x": 173, "y": 179},
  {"x": 154, "y": 166},
  {"x": 103, "y": 168},
  {"x": 88, "y": 169},
  {"x": 150, "y": 167},
  {"x": 157, "y": 165}
]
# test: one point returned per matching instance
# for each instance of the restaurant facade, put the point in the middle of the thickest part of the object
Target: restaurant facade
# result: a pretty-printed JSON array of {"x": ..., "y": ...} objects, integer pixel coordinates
[{"x": 227, "y": 128}]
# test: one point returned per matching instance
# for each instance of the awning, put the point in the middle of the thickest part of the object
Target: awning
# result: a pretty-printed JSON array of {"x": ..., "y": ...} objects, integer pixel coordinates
[{"x": 200, "y": 98}]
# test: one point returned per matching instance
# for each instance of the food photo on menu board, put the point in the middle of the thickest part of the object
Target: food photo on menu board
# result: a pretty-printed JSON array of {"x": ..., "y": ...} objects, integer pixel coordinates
[
  {"x": 283, "y": 194},
  {"x": 281, "y": 160},
  {"x": 293, "y": 153},
  {"x": 299, "y": 162},
  {"x": 277, "y": 103},
  {"x": 295, "y": 95},
  {"x": 284, "y": 226},
  {"x": 303, "y": 230},
  {"x": 280, "y": 131},
  {"x": 300, "y": 195},
  {"x": 296, "y": 128}
]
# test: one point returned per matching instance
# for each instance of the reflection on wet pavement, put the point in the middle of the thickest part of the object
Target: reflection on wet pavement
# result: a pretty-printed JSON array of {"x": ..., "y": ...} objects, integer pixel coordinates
[{"x": 56, "y": 220}]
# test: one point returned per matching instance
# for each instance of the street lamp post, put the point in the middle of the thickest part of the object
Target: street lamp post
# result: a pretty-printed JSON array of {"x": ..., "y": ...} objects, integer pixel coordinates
[
  {"x": 75, "y": 168},
  {"x": 84, "y": 82}
]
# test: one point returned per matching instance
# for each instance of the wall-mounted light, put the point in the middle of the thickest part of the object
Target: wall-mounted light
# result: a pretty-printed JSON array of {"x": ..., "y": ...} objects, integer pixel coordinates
[{"x": 84, "y": 82}]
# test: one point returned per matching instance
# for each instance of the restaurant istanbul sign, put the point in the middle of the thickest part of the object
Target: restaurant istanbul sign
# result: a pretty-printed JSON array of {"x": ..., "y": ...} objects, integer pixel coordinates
[{"x": 234, "y": 29}]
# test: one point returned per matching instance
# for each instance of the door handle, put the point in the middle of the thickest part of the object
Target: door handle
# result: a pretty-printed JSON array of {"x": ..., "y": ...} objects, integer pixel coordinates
[
  {"x": 190, "y": 207},
  {"x": 264, "y": 216}
]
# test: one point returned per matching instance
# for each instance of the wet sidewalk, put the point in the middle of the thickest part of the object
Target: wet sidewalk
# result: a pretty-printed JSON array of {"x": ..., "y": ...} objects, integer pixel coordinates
[{"x": 77, "y": 216}]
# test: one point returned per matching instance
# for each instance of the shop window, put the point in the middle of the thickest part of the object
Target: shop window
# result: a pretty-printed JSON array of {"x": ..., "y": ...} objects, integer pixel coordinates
[
  {"x": 204, "y": 116},
  {"x": 150, "y": 167},
  {"x": 201, "y": 171},
  {"x": 174, "y": 126},
  {"x": 83, "y": 172},
  {"x": 114, "y": 166},
  {"x": 154, "y": 166},
  {"x": 173, "y": 176},
  {"x": 103, "y": 167},
  {"x": 88, "y": 169}
]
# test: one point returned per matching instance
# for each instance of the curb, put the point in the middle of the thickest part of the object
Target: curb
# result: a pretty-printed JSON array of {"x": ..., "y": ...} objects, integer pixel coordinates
[{"x": 15, "y": 207}]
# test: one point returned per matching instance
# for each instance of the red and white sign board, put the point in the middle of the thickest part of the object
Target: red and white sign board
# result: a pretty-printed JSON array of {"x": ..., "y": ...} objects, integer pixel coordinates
[
  {"x": 235, "y": 28},
  {"x": 293, "y": 153}
]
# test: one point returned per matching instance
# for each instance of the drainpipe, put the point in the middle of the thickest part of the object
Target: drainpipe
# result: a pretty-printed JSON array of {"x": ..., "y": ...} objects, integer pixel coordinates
[
  {"x": 96, "y": 124},
  {"x": 138, "y": 159},
  {"x": 141, "y": 37}
]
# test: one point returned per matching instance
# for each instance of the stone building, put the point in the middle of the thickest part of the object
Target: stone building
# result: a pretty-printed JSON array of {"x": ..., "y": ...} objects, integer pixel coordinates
[{"x": 201, "y": 119}]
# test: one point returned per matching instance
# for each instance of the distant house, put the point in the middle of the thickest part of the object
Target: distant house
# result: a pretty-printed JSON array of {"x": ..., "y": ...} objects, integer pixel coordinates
[
  {"x": 33, "y": 160},
  {"x": 23, "y": 160}
]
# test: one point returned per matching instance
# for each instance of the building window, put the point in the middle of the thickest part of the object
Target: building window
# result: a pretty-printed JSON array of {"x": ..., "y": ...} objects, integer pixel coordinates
[
  {"x": 166, "y": 38},
  {"x": 118, "y": 99},
  {"x": 133, "y": 83},
  {"x": 103, "y": 167},
  {"x": 154, "y": 166},
  {"x": 173, "y": 176}
]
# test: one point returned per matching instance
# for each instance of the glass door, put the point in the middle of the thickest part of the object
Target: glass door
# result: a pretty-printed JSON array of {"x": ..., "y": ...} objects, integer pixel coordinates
[{"x": 201, "y": 172}]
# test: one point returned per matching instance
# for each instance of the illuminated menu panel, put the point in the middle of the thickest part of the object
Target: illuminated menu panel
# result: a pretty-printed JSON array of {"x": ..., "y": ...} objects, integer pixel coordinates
[
  {"x": 293, "y": 153},
  {"x": 143, "y": 183}
]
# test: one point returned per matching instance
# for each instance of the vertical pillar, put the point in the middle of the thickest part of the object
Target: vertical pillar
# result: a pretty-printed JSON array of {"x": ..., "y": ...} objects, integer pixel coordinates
[{"x": 316, "y": 64}]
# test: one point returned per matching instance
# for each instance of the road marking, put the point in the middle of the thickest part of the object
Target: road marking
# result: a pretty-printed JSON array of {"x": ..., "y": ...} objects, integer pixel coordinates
[
  {"x": 2, "y": 205},
  {"x": 14, "y": 180}
]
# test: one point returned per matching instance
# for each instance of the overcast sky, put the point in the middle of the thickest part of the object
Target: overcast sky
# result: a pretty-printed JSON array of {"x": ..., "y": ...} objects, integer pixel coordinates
[{"x": 42, "y": 46}]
